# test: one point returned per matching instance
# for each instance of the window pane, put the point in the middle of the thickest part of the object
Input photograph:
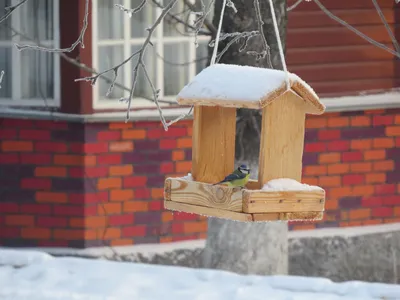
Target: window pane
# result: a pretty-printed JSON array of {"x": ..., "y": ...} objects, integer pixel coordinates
[
  {"x": 36, "y": 19},
  {"x": 143, "y": 88},
  {"x": 5, "y": 65},
  {"x": 171, "y": 26},
  {"x": 5, "y": 31},
  {"x": 110, "y": 20},
  {"x": 110, "y": 56},
  {"x": 142, "y": 19},
  {"x": 176, "y": 74},
  {"x": 201, "y": 55},
  {"x": 37, "y": 74}
]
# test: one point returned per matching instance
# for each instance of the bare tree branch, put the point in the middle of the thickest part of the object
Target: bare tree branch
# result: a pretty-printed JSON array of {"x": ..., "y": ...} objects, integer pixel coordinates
[{"x": 9, "y": 10}]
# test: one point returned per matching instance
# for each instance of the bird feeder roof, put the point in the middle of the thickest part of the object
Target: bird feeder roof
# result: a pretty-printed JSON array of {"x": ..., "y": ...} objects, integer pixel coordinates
[{"x": 245, "y": 87}]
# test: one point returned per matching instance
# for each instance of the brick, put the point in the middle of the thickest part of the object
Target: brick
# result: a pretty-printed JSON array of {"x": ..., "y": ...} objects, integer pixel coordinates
[
  {"x": 372, "y": 201},
  {"x": 338, "y": 146},
  {"x": 393, "y": 154},
  {"x": 9, "y": 158},
  {"x": 384, "y": 189},
  {"x": 36, "y": 209},
  {"x": 382, "y": 120},
  {"x": 134, "y": 134},
  {"x": 330, "y": 181},
  {"x": 51, "y": 197},
  {"x": 166, "y": 167},
  {"x": 360, "y": 121},
  {"x": 125, "y": 146},
  {"x": 109, "y": 208},
  {"x": 168, "y": 144},
  {"x": 96, "y": 221},
  {"x": 118, "y": 220},
  {"x": 315, "y": 147},
  {"x": 166, "y": 239},
  {"x": 109, "y": 183},
  {"x": 185, "y": 143},
  {"x": 391, "y": 200},
  {"x": 157, "y": 193},
  {"x": 156, "y": 205},
  {"x": 397, "y": 142},
  {"x": 311, "y": 135},
  {"x": 35, "y": 233},
  {"x": 316, "y": 122},
  {"x": 120, "y": 125},
  {"x": 360, "y": 133},
  {"x": 122, "y": 170},
  {"x": 69, "y": 234},
  {"x": 353, "y": 179},
  {"x": 142, "y": 193},
  {"x": 188, "y": 154},
  {"x": 329, "y": 158},
  {"x": 177, "y": 228},
  {"x": 8, "y": 134},
  {"x": 363, "y": 190},
  {"x": 35, "y": 158},
  {"x": 329, "y": 134},
  {"x": 17, "y": 146},
  {"x": 338, "y": 122},
  {"x": 352, "y": 156},
  {"x": 34, "y": 134},
  {"x": 77, "y": 222},
  {"x": 51, "y": 222},
  {"x": 384, "y": 165},
  {"x": 183, "y": 166},
  {"x": 149, "y": 217},
  {"x": 350, "y": 202},
  {"x": 89, "y": 172},
  {"x": 160, "y": 156},
  {"x": 382, "y": 212},
  {"x": 339, "y": 192},
  {"x": 375, "y": 178},
  {"x": 69, "y": 160},
  {"x": 90, "y": 148},
  {"x": 135, "y": 206},
  {"x": 178, "y": 155},
  {"x": 383, "y": 143},
  {"x": 66, "y": 210},
  {"x": 109, "y": 159},
  {"x": 16, "y": 123},
  {"x": 50, "y": 147},
  {"x": 109, "y": 135},
  {"x": 155, "y": 133},
  {"x": 361, "y": 144},
  {"x": 393, "y": 177},
  {"x": 175, "y": 132},
  {"x": 338, "y": 169},
  {"x": 362, "y": 213},
  {"x": 121, "y": 242},
  {"x": 57, "y": 243},
  {"x": 167, "y": 216},
  {"x": 19, "y": 220},
  {"x": 50, "y": 172},
  {"x": 393, "y": 131},
  {"x": 374, "y": 154},
  {"x": 331, "y": 204},
  {"x": 121, "y": 195},
  {"x": 134, "y": 181},
  {"x": 133, "y": 231},
  {"x": 36, "y": 183},
  {"x": 397, "y": 211},
  {"x": 191, "y": 227},
  {"x": 361, "y": 167},
  {"x": 310, "y": 180},
  {"x": 8, "y": 207},
  {"x": 134, "y": 157},
  {"x": 310, "y": 159}
]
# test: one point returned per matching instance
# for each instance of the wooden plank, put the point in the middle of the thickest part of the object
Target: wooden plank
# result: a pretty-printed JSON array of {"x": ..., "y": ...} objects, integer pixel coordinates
[
  {"x": 203, "y": 194},
  {"x": 213, "y": 150},
  {"x": 207, "y": 211},
  {"x": 220, "y": 102},
  {"x": 282, "y": 139},
  {"x": 283, "y": 201},
  {"x": 289, "y": 216}
]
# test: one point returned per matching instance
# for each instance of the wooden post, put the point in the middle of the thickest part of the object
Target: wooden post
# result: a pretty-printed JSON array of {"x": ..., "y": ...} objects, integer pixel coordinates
[
  {"x": 213, "y": 151},
  {"x": 282, "y": 139}
]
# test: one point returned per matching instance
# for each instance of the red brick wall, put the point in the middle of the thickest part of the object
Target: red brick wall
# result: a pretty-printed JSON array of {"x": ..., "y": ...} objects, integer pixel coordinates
[{"x": 96, "y": 184}]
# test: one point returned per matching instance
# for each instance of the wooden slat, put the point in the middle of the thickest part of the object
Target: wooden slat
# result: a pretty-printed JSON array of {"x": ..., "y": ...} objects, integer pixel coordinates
[
  {"x": 322, "y": 37},
  {"x": 282, "y": 139},
  {"x": 283, "y": 201},
  {"x": 290, "y": 216},
  {"x": 202, "y": 194},
  {"x": 209, "y": 212},
  {"x": 213, "y": 150},
  {"x": 305, "y": 19}
]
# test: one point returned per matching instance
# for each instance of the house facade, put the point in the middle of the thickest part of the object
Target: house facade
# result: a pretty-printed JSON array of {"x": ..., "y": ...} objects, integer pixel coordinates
[{"x": 73, "y": 173}]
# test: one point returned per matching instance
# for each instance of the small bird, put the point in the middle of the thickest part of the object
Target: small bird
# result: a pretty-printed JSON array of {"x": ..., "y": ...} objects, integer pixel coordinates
[{"x": 237, "y": 178}]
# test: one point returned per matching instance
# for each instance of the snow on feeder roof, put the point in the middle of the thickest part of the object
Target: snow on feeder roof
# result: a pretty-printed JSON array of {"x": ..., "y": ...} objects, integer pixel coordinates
[{"x": 245, "y": 87}]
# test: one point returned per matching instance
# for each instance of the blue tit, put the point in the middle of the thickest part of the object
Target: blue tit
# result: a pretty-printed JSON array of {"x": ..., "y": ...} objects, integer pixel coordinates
[{"x": 237, "y": 178}]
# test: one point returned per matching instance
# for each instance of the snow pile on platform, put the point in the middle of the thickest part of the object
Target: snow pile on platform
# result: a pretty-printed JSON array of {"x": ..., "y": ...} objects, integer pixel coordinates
[{"x": 287, "y": 184}]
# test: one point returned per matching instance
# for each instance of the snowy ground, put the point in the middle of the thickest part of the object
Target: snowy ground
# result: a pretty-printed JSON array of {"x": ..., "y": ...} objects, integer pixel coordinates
[{"x": 39, "y": 276}]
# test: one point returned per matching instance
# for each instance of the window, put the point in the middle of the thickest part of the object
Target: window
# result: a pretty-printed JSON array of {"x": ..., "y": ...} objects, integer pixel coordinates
[
  {"x": 171, "y": 62},
  {"x": 31, "y": 77}
]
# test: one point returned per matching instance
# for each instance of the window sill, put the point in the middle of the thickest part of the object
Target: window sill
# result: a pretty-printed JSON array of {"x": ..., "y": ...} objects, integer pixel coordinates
[{"x": 334, "y": 104}]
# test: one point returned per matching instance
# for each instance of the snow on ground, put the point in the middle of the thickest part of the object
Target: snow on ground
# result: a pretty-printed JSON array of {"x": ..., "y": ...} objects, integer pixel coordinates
[{"x": 37, "y": 276}]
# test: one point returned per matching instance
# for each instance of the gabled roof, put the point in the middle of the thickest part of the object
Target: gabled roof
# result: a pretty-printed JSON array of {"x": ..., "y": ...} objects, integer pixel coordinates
[{"x": 244, "y": 87}]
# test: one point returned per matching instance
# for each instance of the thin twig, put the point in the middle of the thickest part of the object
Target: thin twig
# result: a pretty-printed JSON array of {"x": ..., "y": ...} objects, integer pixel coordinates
[
  {"x": 69, "y": 49},
  {"x": 1, "y": 77},
  {"x": 10, "y": 10},
  {"x": 389, "y": 31},
  {"x": 131, "y": 11},
  {"x": 238, "y": 36},
  {"x": 205, "y": 21},
  {"x": 260, "y": 23}
]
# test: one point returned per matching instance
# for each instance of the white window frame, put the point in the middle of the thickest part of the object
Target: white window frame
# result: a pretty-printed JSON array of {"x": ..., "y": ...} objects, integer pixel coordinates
[
  {"x": 16, "y": 99},
  {"x": 99, "y": 101}
]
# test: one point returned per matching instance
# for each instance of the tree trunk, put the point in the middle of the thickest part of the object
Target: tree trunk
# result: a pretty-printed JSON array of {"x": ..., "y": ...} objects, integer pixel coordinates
[{"x": 249, "y": 248}]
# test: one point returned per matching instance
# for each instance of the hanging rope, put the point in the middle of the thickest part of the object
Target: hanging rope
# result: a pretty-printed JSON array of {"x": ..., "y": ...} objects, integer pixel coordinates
[
  {"x": 214, "y": 56},
  {"x": 279, "y": 45}
]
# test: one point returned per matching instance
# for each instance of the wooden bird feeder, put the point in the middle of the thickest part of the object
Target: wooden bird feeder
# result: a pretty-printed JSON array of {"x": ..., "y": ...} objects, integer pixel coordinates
[{"x": 216, "y": 92}]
